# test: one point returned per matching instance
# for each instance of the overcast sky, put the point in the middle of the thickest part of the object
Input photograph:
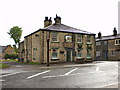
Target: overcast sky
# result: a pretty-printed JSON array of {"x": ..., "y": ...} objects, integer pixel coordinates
[{"x": 89, "y": 15}]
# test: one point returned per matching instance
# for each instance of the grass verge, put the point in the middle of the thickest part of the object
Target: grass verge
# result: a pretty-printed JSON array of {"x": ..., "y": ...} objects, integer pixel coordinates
[{"x": 2, "y": 65}]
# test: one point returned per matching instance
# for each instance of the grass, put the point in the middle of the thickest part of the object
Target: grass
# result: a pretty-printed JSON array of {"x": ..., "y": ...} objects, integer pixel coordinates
[
  {"x": 2, "y": 65},
  {"x": 30, "y": 63},
  {"x": 8, "y": 60}
]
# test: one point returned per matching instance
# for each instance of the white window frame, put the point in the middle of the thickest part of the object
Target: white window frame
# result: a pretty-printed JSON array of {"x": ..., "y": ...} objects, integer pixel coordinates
[
  {"x": 78, "y": 53},
  {"x": 57, "y": 54},
  {"x": 68, "y": 38},
  {"x": 79, "y": 38},
  {"x": 88, "y": 37},
  {"x": 118, "y": 42},
  {"x": 97, "y": 53},
  {"x": 56, "y": 37}
]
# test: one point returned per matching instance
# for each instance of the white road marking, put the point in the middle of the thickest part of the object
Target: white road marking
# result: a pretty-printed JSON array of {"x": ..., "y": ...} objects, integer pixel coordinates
[
  {"x": 38, "y": 74},
  {"x": 2, "y": 80},
  {"x": 71, "y": 71},
  {"x": 71, "y": 74},
  {"x": 117, "y": 66},
  {"x": 97, "y": 69},
  {"x": 9, "y": 74},
  {"x": 110, "y": 85},
  {"x": 12, "y": 73}
]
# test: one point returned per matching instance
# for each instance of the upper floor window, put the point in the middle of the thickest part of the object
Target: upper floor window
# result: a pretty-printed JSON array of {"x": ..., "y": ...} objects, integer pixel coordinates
[
  {"x": 117, "y": 42},
  {"x": 88, "y": 39},
  {"x": 54, "y": 37},
  {"x": 97, "y": 43},
  {"x": 79, "y": 38},
  {"x": 105, "y": 42},
  {"x": 68, "y": 38}
]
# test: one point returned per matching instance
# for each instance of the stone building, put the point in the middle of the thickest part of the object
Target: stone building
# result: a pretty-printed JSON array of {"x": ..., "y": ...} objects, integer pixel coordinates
[
  {"x": 108, "y": 47},
  {"x": 57, "y": 43},
  {"x": 6, "y": 50}
]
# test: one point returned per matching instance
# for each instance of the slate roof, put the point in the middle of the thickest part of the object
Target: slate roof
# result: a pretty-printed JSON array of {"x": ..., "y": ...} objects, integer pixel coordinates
[
  {"x": 110, "y": 37},
  {"x": 2, "y": 49},
  {"x": 65, "y": 28}
]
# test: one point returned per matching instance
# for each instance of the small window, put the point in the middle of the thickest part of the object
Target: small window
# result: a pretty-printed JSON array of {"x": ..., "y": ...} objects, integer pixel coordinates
[
  {"x": 54, "y": 53},
  {"x": 54, "y": 37},
  {"x": 68, "y": 38},
  {"x": 79, "y": 38}
]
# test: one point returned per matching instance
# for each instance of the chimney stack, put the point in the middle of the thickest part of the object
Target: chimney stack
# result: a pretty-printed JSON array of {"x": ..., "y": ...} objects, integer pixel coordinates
[
  {"x": 47, "y": 22},
  {"x": 99, "y": 35},
  {"x": 114, "y": 31},
  {"x": 57, "y": 19}
]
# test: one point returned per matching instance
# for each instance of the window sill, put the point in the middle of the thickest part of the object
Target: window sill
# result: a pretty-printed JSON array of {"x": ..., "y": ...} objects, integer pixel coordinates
[
  {"x": 54, "y": 42},
  {"x": 80, "y": 58},
  {"x": 54, "y": 59},
  {"x": 79, "y": 43},
  {"x": 89, "y": 58},
  {"x": 88, "y": 43}
]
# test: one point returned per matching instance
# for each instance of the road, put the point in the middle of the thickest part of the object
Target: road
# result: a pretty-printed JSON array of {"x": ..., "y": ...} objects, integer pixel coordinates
[{"x": 94, "y": 75}]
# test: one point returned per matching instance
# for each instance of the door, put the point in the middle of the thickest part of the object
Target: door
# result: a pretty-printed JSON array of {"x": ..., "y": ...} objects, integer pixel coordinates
[{"x": 69, "y": 56}]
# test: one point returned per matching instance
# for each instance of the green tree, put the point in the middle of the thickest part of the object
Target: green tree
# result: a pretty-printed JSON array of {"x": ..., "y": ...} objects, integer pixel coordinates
[{"x": 15, "y": 33}]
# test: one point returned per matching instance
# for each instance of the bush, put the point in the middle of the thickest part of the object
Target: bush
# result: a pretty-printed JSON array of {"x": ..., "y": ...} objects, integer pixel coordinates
[{"x": 10, "y": 56}]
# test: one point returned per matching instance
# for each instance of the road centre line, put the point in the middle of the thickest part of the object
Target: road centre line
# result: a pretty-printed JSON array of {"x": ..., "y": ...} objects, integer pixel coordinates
[
  {"x": 71, "y": 71},
  {"x": 97, "y": 68},
  {"x": 38, "y": 74}
]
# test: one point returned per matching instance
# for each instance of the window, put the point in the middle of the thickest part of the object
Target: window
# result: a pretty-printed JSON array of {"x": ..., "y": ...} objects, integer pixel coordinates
[
  {"x": 34, "y": 53},
  {"x": 88, "y": 53},
  {"x": 97, "y": 43},
  {"x": 68, "y": 38},
  {"x": 117, "y": 42},
  {"x": 54, "y": 53},
  {"x": 79, "y": 54},
  {"x": 105, "y": 42},
  {"x": 54, "y": 37},
  {"x": 88, "y": 38},
  {"x": 113, "y": 53},
  {"x": 79, "y": 38},
  {"x": 97, "y": 53}
]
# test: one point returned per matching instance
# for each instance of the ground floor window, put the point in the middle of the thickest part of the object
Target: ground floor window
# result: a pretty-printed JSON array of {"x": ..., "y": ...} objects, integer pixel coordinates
[
  {"x": 97, "y": 53},
  {"x": 54, "y": 53},
  {"x": 89, "y": 53},
  {"x": 113, "y": 53},
  {"x": 79, "y": 54}
]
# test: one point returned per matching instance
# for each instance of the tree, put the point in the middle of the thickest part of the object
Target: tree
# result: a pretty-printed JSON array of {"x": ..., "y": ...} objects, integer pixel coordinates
[{"x": 15, "y": 33}]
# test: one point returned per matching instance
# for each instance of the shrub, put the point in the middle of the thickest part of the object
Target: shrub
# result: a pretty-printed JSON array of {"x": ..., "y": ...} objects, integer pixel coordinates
[{"x": 10, "y": 56}]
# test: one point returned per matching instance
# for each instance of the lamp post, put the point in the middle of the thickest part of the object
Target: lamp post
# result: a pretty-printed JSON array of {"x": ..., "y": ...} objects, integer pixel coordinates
[
  {"x": 47, "y": 52},
  {"x": 48, "y": 36}
]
